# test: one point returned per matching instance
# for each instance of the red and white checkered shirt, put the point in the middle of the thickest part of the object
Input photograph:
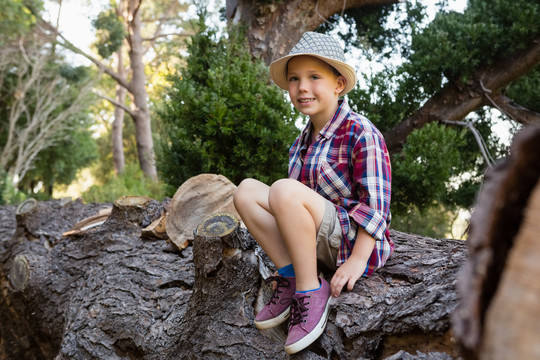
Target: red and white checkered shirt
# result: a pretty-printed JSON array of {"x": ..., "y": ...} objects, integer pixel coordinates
[{"x": 348, "y": 163}]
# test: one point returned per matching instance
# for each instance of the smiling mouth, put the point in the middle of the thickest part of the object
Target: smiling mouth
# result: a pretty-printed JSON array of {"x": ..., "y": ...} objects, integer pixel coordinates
[{"x": 305, "y": 100}]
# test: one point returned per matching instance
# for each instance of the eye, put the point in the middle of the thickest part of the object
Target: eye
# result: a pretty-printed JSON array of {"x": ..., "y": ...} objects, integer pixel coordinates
[
  {"x": 315, "y": 77},
  {"x": 292, "y": 78}
]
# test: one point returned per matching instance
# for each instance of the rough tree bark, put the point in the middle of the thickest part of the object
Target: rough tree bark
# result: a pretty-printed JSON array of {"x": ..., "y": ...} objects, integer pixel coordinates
[
  {"x": 269, "y": 21},
  {"x": 498, "y": 317},
  {"x": 109, "y": 292}
]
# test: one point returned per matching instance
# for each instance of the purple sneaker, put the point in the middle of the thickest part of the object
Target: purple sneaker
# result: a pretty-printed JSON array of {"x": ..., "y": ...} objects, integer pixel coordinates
[
  {"x": 278, "y": 308},
  {"x": 309, "y": 313}
]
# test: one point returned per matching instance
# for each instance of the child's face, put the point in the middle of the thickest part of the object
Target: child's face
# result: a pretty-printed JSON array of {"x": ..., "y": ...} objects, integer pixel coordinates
[{"x": 313, "y": 87}]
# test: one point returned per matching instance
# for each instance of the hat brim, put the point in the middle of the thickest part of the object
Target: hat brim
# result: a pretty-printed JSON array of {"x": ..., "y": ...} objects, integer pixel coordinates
[{"x": 279, "y": 76}]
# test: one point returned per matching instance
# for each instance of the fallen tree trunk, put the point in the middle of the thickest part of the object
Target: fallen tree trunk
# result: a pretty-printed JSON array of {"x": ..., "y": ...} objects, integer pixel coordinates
[
  {"x": 110, "y": 293},
  {"x": 107, "y": 290}
]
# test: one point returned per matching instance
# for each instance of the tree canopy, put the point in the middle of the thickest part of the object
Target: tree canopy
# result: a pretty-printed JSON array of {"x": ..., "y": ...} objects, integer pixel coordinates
[
  {"x": 449, "y": 50},
  {"x": 437, "y": 85},
  {"x": 44, "y": 124},
  {"x": 222, "y": 116}
]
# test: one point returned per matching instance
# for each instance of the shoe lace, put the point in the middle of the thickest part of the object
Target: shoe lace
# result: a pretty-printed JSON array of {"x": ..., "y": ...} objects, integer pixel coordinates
[
  {"x": 299, "y": 309},
  {"x": 281, "y": 284}
]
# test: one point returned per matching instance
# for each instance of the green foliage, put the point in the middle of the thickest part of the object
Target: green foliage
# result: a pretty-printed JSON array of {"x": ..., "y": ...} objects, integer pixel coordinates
[
  {"x": 421, "y": 170},
  {"x": 382, "y": 101},
  {"x": 455, "y": 44},
  {"x": 441, "y": 164},
  {"x": 524, "y": 90},
  {"x": 379, "y": 31},
  {"x": 104, "y": 169},
  {"x": 435, "y": 221},
  {"x": 131, "y": 182},
  {"x": 9, "y": 194},
  {"x": 222, "y": 115},
  {"x": 3, "y": 185},
  {"x": 59, "y": 164},
  {"x": 72, "y": 148},
  {"x": 110, "y": 33},
  {"x": 54, "y": 124},
  {"x": 16, "y": 17}
]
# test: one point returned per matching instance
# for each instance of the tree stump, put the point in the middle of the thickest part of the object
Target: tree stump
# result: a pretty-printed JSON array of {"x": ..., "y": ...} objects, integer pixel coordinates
[
  {"x": 196, "y": 198},
  {"x": 219, "y": 318}
]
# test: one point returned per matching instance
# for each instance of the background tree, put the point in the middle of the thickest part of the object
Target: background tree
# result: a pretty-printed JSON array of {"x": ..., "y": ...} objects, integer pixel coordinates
[
  {"x": 144, "y": 24},
  {"x": 222, "y": 116},
  {"x": 43, "y": 106},
  {"x": 453, "y": 71},
  {"x": 16, "y": 19},
  {"x": 269, "y": 21}
]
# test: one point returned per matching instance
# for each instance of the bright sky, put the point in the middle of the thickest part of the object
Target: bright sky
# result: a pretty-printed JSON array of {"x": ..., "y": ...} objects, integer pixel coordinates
[
  {"x": 76, "y": 17},
  {"x": 76, "y": 20}
]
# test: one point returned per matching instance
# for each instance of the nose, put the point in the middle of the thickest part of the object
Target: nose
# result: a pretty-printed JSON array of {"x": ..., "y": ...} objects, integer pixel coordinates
[{"x": 303, "y": 85}]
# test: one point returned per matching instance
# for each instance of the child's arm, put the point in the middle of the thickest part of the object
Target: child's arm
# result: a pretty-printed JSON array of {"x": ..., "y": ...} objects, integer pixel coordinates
[{"x": 354, "y": 267}]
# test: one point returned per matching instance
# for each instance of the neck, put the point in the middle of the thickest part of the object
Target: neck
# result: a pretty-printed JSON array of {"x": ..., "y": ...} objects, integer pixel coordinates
[{"x": 318, "y": 122}]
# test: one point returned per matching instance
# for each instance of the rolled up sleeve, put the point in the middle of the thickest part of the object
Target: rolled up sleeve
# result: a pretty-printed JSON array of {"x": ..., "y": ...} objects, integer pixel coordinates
[{"x": 372, "y": 174}]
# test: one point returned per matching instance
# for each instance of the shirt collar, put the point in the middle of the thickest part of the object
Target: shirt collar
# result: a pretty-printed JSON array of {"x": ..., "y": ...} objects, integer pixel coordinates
[
  {"x": 330, "y": 128},
  {"x": 341, "y": 113}
]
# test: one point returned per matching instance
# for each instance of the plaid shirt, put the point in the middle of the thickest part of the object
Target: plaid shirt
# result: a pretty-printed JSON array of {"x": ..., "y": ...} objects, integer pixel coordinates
[{"x": 348, "y": 164}]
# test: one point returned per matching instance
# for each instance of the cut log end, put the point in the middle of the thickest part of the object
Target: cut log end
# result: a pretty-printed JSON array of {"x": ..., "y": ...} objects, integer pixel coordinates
[
  {"x": 89, "y": 223},
  {"x": 27, "y": 206},
  {"x": 129, "y": 201},
  {"x": 19, "y": 272},
  {"x": 219, "y": 225}
]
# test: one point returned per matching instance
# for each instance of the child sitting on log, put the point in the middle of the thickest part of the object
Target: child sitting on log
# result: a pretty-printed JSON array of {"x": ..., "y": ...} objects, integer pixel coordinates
[{"x": 334, "y": 207}]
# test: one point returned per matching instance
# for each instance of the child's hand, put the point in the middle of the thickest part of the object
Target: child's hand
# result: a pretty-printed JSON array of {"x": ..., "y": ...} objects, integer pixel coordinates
[{"x": 347, "y": 274}]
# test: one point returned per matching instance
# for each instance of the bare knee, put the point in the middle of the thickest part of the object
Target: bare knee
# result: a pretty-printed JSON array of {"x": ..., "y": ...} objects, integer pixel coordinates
[
  {"x": 283, "y": 193},
  {"x": 243, "y": 193}
]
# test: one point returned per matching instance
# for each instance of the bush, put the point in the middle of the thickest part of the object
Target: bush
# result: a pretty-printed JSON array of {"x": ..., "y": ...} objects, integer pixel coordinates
[
  {"x": 131, "y": 182},
  {"x": 223, "y": 116},
  {"x": 9, "y": 194}
]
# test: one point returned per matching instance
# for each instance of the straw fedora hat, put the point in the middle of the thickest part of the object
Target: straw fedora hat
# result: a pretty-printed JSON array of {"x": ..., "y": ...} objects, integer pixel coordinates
[{"x": 320, "y": 46}]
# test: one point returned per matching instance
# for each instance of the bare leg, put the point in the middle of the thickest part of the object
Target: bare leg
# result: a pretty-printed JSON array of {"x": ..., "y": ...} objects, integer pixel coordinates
[
  {"x": 284, "y": 219},
  {"x": 251, "y": 202},
  {"x": 298, "y": 212}
]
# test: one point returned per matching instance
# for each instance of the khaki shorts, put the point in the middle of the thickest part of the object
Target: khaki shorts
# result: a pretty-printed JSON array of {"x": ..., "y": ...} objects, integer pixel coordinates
[{"x": 329, "y": 237}]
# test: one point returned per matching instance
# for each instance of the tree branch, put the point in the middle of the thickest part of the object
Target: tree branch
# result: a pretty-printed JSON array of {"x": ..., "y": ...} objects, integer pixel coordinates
[
  {"x": 455, "y": 101},
  {"x": 295, "y": 18},
  {"x": 116, "y": 103},
  {"x": 517, "y": 112},
  {"x": 158, "y": 36},
  {"x": 479, "y": 140},
  {"x": 68, "y": 45}
]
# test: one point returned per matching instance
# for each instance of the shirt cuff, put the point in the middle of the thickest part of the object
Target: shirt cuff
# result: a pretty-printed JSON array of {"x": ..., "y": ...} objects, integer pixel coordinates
[{"x": 370, "y": 219}]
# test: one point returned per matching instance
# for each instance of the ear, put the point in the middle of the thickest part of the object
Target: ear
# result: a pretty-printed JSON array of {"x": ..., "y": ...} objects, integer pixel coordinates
[{"x": 340, "y": 85}]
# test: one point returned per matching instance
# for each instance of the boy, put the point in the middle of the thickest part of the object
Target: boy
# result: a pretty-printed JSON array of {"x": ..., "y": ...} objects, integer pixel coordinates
[{"x": 335, "y": 205}]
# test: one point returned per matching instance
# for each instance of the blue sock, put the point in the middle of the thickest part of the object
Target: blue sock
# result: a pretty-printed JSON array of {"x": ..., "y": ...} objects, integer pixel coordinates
[
  {"x": 287, "y": 270},
  {"x": 306, "y": 291}
]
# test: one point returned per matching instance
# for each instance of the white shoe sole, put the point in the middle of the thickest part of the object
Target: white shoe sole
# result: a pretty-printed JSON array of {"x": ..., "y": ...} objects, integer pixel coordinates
[
  {"x": 312, "y": 336},
  {"x": 270, "y": 323}
]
